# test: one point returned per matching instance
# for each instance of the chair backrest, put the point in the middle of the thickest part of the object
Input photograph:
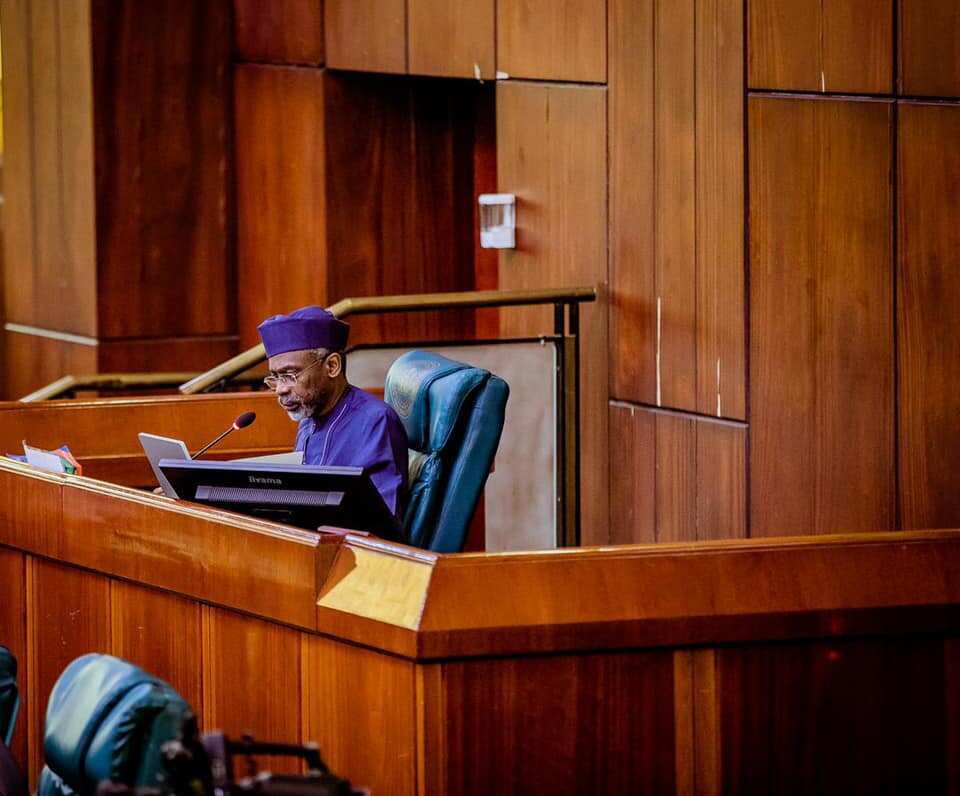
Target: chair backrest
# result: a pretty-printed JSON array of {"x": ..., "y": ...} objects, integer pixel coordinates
[
  {"x": 9, "y": 696},
  {"x": 453, "y": 414},
  {"x": 107, "y": 719}
]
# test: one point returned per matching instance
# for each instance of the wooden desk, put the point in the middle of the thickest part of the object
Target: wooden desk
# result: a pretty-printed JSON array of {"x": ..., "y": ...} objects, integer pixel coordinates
[
  {"x": 102, "y": 433},
  {"x": 794, "y": 665}
]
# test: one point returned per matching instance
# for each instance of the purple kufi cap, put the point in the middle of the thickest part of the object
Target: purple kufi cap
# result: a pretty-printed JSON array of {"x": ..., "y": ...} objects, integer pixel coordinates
[{"x": 303, "y": 329}]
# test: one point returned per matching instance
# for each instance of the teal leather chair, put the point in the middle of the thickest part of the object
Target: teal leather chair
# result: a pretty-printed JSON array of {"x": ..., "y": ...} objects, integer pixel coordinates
[
  {"x": 9, "y": 696},
  {"x": 107, "y": 719},
  {"x": 453, "y": 414}
]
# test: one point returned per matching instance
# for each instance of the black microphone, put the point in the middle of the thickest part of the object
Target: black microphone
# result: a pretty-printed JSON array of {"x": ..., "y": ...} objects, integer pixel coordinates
[{"x": 242, "y": 421}]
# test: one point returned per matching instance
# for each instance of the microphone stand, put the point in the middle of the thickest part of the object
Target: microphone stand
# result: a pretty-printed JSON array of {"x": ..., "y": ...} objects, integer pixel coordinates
[{"x": 209, "y": 445}]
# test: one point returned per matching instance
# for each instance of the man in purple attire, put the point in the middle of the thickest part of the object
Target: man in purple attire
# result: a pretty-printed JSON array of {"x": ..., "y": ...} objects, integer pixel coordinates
[{"x": 339, "y": 425}]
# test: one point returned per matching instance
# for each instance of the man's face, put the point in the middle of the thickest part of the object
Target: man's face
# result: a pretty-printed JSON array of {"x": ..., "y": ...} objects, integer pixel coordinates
[{"x": 312, "y": 386}]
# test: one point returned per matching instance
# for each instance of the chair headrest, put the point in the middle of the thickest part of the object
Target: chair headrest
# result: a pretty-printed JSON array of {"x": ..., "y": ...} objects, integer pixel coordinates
[
  {"x": 427, "y": 391},
  {"x": 9, "y": 696},
  {"x": 102, "y": 712}
]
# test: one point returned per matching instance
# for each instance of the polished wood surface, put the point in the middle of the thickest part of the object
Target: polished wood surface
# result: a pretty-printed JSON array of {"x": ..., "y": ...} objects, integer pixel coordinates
[
  {"x": 837, "y": 45},
  {"x": 552, "y": 40},
  {"x": 821, "y": 303},
  {"x": 452, "y": 38},
  {"x": 840, "y": 733},
  {"x": 117, "y": 184},
  {"x": 675, "y": 477},
  {"x": 929, "y": 47},
  {"x": 281, "y": 31},
  {"x": 68, "y": 616},
  {"x": 102, "y": 433},
  {"x": 677, "y": 315},
  {"x": 665, "y": 670},
  {"x": 632, "y": 170},
  {"x": 366, "y": 35},
  {"x": 720, "y": 128},
  {"x": 159, "y": 631},
  {"x": 50, "y": 250},
  {"x": 557, "y": 171},
  {"x": 557, "y": 724},
  {"x": 927, "y": 325},
  {"x": 281, "y": 193},
  {"x": 400, "y": 152},
  {"x": 13, "y": 636},
  {"x": 242, "y": 655},
  {"x": 377, "y": 744},
  {"x": 17, "y": 236},
  {"x": 161, "y": 83}
]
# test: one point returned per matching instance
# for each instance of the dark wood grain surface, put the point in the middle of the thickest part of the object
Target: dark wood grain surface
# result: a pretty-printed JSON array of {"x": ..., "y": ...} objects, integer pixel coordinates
[
  {"x": 821, "y": 309},
  {"x": 281, "y": 31},
  {"x": 49, "y": 185},
  {"x": 69, "y": 616},
  {"x": 400, "y": 153},
  {"x": 452, "y": 38},
  {"x": 281, "y": 193},
  {"x": 337, "y": 678},
  {"x": 927, "y": 321},
  {"x": 366, "y": 35},
  {"x": 929, "y": 47},
  {"x": 869, "y": 717},
  {"x": 13, "y": 636},
  {"x": 677, "y": 318},
  {"x": 837, "y": 45},
  {"x": 675, "y": 477},
  {"x": 552, "y": 40},
  {"x": 632, "y": 171},
  {"x": 161, "y": 86},
  {"x": 240, "y": 656},
  {"x": 561, "y": 724},
  {"x": 159, "y": 631}
]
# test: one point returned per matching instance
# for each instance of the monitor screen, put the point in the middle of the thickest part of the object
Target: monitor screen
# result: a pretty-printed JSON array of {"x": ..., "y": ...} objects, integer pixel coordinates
[{"x": 305, "y": 496}]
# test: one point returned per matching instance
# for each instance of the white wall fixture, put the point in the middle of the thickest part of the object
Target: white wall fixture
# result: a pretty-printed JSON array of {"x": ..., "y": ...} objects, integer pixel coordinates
[{"x": 498, "y": 220}]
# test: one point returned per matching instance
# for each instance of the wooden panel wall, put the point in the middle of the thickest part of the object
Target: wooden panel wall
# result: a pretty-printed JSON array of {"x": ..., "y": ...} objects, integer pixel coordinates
[
  {"x": 281, "y": 31},
  {"x": 675, "y": 477},
  {"x": 452, "y": 38},
  {"x": 281, "y": 193},
  {"x": 552, "y": 40},
  {"x": 929, "y": 48},
  {"x": 161, "y": 114},
  {"x": 117, "y": 188},
  {"x": 834, "y": 45},
  {"x": 927, "y": 321},
  {"x": 551, "y": 153},
  {"x": 50, "y": 255},
  {"x": 400, "y": 196},
  {"x": 676, "y": 196},
  {"x": 606, "y": 729},
  {"x": 821, "y": 308},
  {"x": 366, "y": 35}
]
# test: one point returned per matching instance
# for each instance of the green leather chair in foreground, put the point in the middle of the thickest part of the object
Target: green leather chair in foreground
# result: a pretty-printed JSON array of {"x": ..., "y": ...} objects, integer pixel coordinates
[
  {"x": 9, "y": 696},
  {"x": 453, "y": 414},
  {"x": 107, "y": 719}
]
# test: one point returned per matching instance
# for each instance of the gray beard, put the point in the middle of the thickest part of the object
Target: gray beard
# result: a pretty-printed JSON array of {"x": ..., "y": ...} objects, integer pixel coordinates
[{"x": 300, "y": 414}]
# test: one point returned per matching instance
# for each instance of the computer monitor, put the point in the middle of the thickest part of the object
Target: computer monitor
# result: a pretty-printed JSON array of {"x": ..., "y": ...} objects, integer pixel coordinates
[{"x": 306, "y": 496}]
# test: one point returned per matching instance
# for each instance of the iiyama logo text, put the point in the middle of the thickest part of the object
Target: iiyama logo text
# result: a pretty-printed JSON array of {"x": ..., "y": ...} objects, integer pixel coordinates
[{"x": 257, "y": 480}]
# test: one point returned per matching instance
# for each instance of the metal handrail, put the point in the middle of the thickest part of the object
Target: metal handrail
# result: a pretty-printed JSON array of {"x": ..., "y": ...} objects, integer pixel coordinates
[
  {"x": 369, "y": 305},
  {"x": 105, "y": 381}
]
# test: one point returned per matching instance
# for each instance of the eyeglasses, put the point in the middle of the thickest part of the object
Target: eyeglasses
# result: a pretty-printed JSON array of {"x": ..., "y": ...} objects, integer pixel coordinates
[{"x": 290, "y": 379}]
